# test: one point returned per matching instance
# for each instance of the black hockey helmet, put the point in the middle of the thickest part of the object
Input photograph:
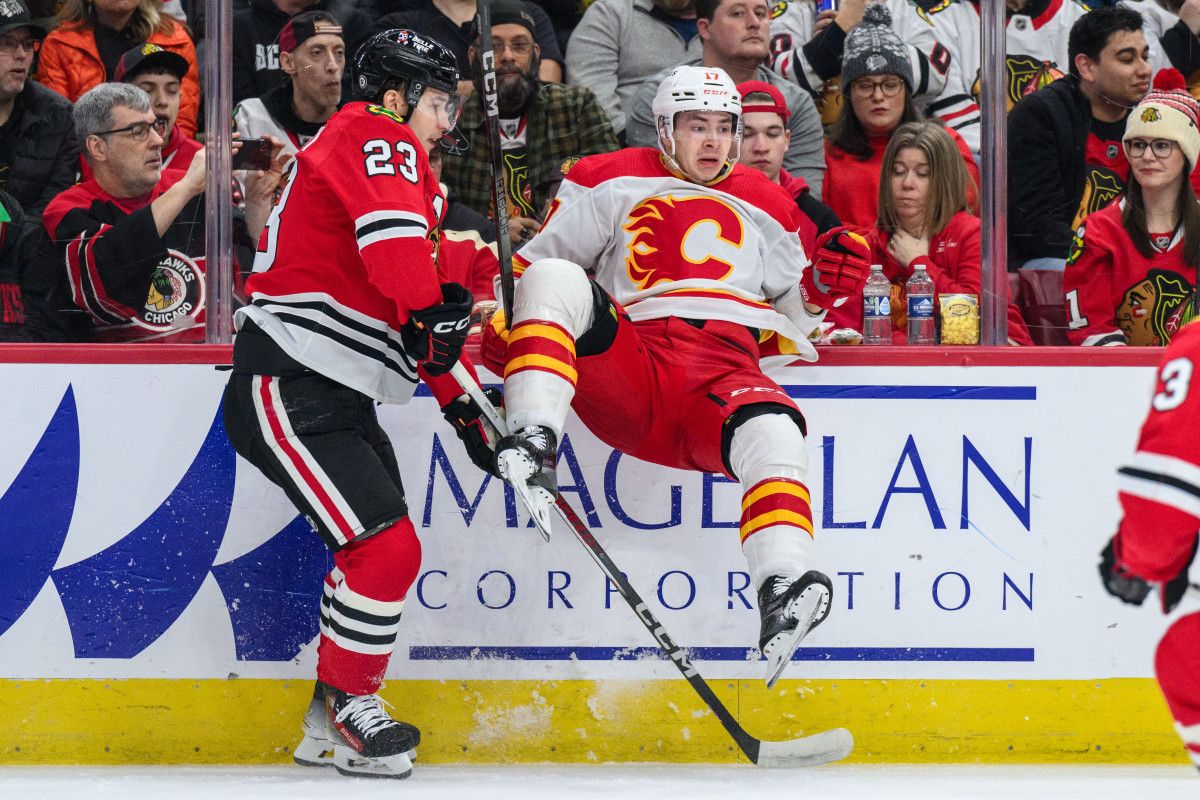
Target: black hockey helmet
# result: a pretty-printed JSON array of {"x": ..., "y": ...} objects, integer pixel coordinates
[{"x": 400, "y": 54}]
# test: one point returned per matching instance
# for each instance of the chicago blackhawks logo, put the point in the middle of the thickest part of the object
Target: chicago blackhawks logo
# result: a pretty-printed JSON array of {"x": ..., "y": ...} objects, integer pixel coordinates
[
  {"x": 176, "y": 292},
  {"x": 1026, "y": 75},
  {"x": 675, "y": 238},
  {"x": 1155, "y": 307},
  {"x": 1151, "y": 115},
  {"x": 1100, "y": 187}
]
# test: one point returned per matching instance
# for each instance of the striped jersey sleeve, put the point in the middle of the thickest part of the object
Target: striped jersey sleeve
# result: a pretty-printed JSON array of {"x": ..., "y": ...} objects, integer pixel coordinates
[{"x": 1160, "y": 485}]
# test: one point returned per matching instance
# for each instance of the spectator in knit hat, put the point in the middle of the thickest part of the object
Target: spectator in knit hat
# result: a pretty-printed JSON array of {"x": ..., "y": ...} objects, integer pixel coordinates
[
  {"x": 877, "y": 80},
  {"x": 160, "y": 73},
  {"x": 38, "y": 148},
  {"x": 312, "y": 55},
  {"x": 765, "y": 138},
  {"x": 1130, "y": 277}
]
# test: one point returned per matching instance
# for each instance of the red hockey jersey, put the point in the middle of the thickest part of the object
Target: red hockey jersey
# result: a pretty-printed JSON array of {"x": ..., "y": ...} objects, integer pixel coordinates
[
  {"x": 1117, "y": 296},
  {"x": 1160, "y": 487},
  {"x": 349, "y": 252}
]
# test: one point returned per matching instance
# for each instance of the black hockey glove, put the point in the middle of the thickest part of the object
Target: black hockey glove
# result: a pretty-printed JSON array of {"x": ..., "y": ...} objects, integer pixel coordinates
[
  {"x": 1173, "y": 590},
  {"x": 1119, "y": 582},
  {"x": 473, "y": 428},
  {"x": 436, "y": 335}
]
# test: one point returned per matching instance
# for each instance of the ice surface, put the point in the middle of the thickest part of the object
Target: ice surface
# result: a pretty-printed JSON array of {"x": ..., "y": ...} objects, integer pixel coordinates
[{"x": 612, "y": 782}]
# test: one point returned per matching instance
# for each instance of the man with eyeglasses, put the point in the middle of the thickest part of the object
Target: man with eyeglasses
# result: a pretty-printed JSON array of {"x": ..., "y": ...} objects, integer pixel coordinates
[
  {"x": 38, "y": 149},
  {"x": 541, "y": 125},
  {"x": 159, "y": 73},
  {"x": 130, "y": 240}
]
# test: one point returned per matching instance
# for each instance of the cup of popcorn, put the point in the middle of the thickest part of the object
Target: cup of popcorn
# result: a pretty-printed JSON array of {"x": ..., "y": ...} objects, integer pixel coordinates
[{"x": 960, "y": 318}]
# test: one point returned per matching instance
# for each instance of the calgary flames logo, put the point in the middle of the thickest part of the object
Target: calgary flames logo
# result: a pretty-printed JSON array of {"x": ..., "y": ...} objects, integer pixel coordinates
[{"x": 674, "y": 238}]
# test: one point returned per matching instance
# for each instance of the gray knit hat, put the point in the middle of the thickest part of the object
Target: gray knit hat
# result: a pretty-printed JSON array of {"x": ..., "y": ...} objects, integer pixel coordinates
[{"x": 873, "y": 48}]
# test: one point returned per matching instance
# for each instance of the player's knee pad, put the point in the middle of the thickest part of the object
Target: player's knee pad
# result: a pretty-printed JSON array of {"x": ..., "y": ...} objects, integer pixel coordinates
[
  {"x": 765, "y": 440},
  {"x": 384, "y": 565},
  {"x": 1177, "y": 665},
  {"x": 558, "y": 291}
]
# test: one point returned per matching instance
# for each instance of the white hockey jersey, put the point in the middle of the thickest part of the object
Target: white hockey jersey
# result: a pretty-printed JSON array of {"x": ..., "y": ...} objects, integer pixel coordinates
[
  {"x": 1036, "y": 54},
  {"x": 663, "y": 246},
  {"x": 792, "y": 23}
]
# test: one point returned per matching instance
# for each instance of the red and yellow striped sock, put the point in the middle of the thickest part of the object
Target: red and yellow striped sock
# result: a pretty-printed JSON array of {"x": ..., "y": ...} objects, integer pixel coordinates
[
  {"x": 541, "y": 346},
  {"x": 775, "y": 502}
]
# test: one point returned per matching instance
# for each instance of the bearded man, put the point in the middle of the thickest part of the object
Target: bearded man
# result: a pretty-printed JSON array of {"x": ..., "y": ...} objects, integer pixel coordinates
[{"x": 541, "y": 126}]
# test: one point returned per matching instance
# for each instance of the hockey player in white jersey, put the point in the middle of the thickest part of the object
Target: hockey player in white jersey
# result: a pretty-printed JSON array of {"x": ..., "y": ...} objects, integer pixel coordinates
[{"x": 691, "y": 256}]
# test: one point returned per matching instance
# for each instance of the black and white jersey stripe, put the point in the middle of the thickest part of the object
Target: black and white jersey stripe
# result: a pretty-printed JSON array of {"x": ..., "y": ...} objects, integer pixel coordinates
[
  {"x": 358, "y": 623},
  {"x": 379, "y": 226},
  {"x": 1162, "y": 479},
  {"x": 333, "y": 339}
]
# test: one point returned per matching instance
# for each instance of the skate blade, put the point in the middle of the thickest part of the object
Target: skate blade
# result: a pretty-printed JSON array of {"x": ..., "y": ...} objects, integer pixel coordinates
[
  {"x": 315, "y": 751},
  {"x": 353, "y": 765},
  {"x": 538, "y": 509},
  {"x": 807, "y": 608}
]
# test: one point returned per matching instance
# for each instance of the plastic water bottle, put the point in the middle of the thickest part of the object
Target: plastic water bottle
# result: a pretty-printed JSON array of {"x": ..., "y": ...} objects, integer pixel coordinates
[
  {"x": 877, "y": 308},
  {"x": 921, "y": 325}
]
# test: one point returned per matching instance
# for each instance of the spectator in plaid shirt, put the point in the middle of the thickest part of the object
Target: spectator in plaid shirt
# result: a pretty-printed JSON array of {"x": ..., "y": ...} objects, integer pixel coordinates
[{"x": 541, "y": 126}]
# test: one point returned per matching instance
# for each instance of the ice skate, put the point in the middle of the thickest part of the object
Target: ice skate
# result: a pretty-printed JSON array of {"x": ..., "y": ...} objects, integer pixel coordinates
[
  {"x": 527, "y": 459},
  {"x": 790, "y": 608},
  {"x": 356, "y": 736}
]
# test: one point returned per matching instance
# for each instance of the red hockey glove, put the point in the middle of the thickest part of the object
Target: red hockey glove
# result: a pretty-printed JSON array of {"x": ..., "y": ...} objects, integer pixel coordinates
[
  {"x": 436, "y": 335},
  {"x": 840, "y": 267},
  {"x": 494, "y": 347},
  {"x": 474, "y": 430}
]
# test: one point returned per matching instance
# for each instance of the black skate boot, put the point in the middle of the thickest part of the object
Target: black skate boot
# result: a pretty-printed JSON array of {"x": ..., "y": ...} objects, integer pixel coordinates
[
  {"x": 527, "y": 459},
  {"x": 790, "y": 608},
  {"x": 354, "y": 734}
]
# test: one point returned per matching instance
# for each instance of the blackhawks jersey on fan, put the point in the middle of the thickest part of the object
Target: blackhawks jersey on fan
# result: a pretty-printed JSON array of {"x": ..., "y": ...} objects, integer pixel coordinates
[
  {"x": 349, "y": 251},
  {"x": 1035, "y": 48},
  {"x": 1160, "y": 487},
  {"x": 1115, "y": 295},
  {"x": 134, "y": 284},
  {"x": 663, "y": 246}
]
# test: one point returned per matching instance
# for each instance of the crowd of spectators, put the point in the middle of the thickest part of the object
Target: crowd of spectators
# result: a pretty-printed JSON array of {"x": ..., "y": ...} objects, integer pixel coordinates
[{"x": 867, "y": 115}]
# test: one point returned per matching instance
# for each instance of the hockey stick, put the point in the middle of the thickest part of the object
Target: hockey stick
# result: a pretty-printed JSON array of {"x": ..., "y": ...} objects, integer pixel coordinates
[
  {"x": 805, "y": 751},
  {"x": 491, "y": 108}
]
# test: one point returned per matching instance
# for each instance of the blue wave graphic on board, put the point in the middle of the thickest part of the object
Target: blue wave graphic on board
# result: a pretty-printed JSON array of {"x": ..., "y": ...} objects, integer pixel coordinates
[
  {"x": 273, "y": 593},
  {"x": 35, "y": 512},
  {"x": 122, "y": 599}
]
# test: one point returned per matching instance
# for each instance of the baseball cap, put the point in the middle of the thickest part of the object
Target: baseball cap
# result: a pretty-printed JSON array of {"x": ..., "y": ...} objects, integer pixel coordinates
[
  {"x": 146, "y": 57},
  {"x": 302, "y": 27},
  {"x": 506, "y": 12},
  {"x": 14, "y": 14},
  {"x": 777, "y": 105}
]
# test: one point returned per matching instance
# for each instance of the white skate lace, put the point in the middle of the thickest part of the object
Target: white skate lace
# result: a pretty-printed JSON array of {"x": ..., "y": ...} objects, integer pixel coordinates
[{"x": 366, "y": 712}]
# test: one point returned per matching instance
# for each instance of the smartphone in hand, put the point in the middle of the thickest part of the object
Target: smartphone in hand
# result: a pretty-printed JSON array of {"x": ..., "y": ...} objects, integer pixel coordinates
[{"x": 254, "y": 154}]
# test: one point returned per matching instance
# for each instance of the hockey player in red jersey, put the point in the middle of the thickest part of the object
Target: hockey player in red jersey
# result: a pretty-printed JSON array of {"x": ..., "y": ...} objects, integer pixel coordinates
[
  {"x": 1156, "y": 541},
  {"x": 348, "y": 309},
  {"x": 640, "y": 304}
]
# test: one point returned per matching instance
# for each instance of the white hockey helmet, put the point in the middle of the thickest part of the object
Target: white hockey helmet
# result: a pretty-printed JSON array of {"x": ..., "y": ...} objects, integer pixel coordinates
[{"x": 690, "y": 88}]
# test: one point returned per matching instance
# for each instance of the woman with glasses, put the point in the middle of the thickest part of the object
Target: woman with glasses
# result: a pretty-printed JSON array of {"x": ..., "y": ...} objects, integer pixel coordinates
[
  {"x": 84, "y": 49},
  {"x": 1131, "y": 272},
  {"x": 877, "y": 81}
]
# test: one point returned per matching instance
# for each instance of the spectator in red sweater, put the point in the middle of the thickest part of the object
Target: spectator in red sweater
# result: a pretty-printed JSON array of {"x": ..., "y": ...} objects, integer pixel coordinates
[
  {"x": 877, "y": 79},
  {"x": 923, "y": 218}
]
